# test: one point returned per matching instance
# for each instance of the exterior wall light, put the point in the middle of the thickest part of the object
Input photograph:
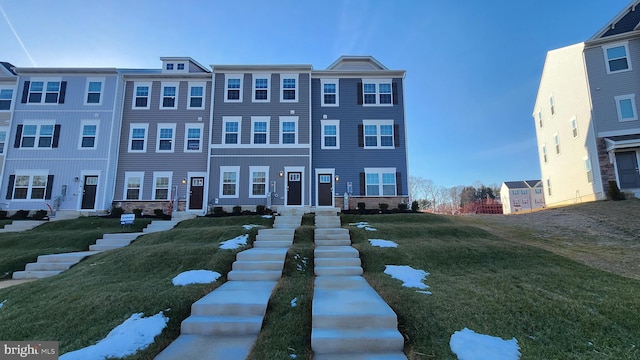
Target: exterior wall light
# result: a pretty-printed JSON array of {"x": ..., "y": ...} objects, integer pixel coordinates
[
  {"x": 337, "y": 178},
  {"x": 281, "y": 173}
]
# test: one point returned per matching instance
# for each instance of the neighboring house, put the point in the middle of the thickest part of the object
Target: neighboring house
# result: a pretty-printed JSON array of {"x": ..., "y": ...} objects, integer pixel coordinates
[
  {"x": 163, "y": 147},
  {"x": 519, "y": 196},
  {"x": 8, "y": 81},
  {"x": 359, "y": 134},
  {"x": 63, "y": 147},
  {"x": 586, "y": 118},
  {"x": 261, "y": 136}
]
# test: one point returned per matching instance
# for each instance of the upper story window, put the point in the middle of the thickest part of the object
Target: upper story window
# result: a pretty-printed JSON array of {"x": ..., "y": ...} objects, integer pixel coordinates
[
  {"x": 40, "y": 134},
  {"x": 94, "y": 92},
  {"x": 169, "y": 96},
  {"x": 377, "y": 134},
  {"x": 6, "y": 97},
  {"x": 549, "y": 186},
  {"x": 231, "y": 130},
  {"x": 261, "y": 87},
  {"x": 260, "y": 129},
  {"x": 626, "y": 106},
  {"x": 88, "y": 134},
  {"x": 138, "y": 137},
  {"x": 574, "y": 127},
  {"x": 233, "y": 88},
  {"x": 141, "y": 92},
  {"x": 556, "y": 141},
  {"x": 169, "y": 66},
  {"x": 166, "y": 137},
  {"x": 552, "y": 105},
  {"x": 329, "y": 96},
  {"x": 376, "y": 92},
  {"x": 44, "y": 92},
  {"x": 288, "y": 130},
  {"x": 616, "y": 57},
  {"x": 288, "y": 88},
  {"x": 540, "y": 118},
  {"x": 193, "y": 137},
  {"x": 3, "y": 139},
  {"x": 180, "y": 66},
  {"x": 544, "y": 152},
  {"x": 330, "y": 134},
  {"x": 196, "y": 95}
]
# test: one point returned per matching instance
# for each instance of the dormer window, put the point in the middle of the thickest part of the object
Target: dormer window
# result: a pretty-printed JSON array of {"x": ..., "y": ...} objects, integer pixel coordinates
[
  {"x": 169, "y": 67},
  {"x": 181, "y": 66}
]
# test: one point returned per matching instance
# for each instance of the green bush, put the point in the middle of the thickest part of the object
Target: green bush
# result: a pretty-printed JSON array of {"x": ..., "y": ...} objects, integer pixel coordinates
[
  {"x": 361, "y": 206},
  {"x": 260, "y": 209},
  {"x": 116, "y": 211},
  {"x": 237, "y": 210},
  {"x": 218, "y": 211},
  {"x": 614, "y": 192},
  {"x": 39, "y": 215},
  {"x": 402, "y": 207},
  {"x": 383, "y": 206},
  {"x": 20, "y": 215},
  {"x": 159, "y": 213},
  {"x": 3, "y": 214},
  {"x": 415, "y": 206},
  {"x": 138, "y": 213}
]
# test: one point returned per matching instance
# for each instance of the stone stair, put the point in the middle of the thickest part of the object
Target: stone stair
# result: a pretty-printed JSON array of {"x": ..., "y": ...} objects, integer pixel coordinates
[
  {"x": 349, "y": 319},
  {"x": 225, "y": 323},
  {"x": 21, "y": 225}
]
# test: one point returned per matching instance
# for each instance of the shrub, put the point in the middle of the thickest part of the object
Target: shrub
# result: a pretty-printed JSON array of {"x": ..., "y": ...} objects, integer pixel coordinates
[
  {"x": 20, "y": 215},
  {"x": 3, "y": 214},
  {"x": 138, "y": 213},
  {"x": 415, "y": 206},
  {"x": 237, "y": 210},
  {"x": 402, "y": 207},
  {"x": 260, "y": 209},
  {"x": 361, "y": 206},
  {"x": 116, "y": 211},
  {"x": 159, "y": 213},
  {"x": 218, "y": 211},
  {"x": 383, "y": 206},
  {"x": 39, "y": 215},
  {"x": 614, "y": 192}
]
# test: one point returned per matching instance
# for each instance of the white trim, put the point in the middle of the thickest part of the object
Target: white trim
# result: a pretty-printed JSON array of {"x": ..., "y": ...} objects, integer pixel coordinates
[
  {"x": 133, "y": 126},
  {"x": 619, "y": 132},
  {"x": 194, "y": 84},
  {"x": 12, "y": 99},
  {"x": 84, "y": 123},
  {"x": 3, "y": 148},
  {"x": 205, "y": 191},
  {"x": 188, "y": 126},
  {"x": 136, "y": 85},
  {"x": 228, "y": 119},
  {"x": 556, "y": 143},
  {"x": 281, "y": 133},
  {"x": 169, "y": 84},
  {"x": 253, "y": 169},
  {"x": 319, "y": 171},
  {"x": 90, "y": 80},
  {"x": 256, "y": 76},
  {"x": 287, "y": 170},
  {"x": 36, "y": 141},
  {"x": 255, "y": 119},
  {"x": 620, "y": 98},
  {"x": 162, "y": 174},
  {"x": 44, "y": 82},
  {"x": 377, "y": 93},
  {"x": 228, "y": 77},
  {"x": 133, "y": 174},
  {"x": 573, "y": 123},
  {"x": 378, "y": 124},
  {"x": 324, "y": 123},
  {"x": 30, "y": 173},
  {"x": 336, "y": 82},
  {"x": 552, "y": 105},
  {"x": 161, "y": 126},
  {"x": 380, "y": 172},
  {"x": 229, "y": 169},
  {"x": 261, "y": 146},
  {"x": 83, "y": 175},
  {"x": 589, "y": 170},
  {"x": 296, "y": 77},
  {"x": 624, "y": 44}
]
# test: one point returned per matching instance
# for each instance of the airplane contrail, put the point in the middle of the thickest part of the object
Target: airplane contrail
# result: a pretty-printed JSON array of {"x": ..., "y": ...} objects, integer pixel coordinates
[{"x": 17, "y": 37}]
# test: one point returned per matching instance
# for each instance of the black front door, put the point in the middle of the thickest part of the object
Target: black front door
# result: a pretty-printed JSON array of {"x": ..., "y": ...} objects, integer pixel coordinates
[
  {"x": 196, "y": 193},
  {"x": 294, "y": 188},
  {"x": 627, "y": 163},
  {"x": 325, "y": 190},
  {"x": 89, "y": 192}
]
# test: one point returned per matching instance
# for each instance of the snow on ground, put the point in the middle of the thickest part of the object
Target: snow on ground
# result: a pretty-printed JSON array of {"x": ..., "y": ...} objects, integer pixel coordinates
[
  {"x": 251, "y": 226},
  {"x": 409, "y": 276},
  {"x": 368, "y": 228},
  {"x": 294, "y": 302},
  {"x": 363, "y": 225},
  {"x": 235, "y": 243},
  {"x": 382, "y": 243},
  {"x": 469, "y": 345},
  {"x": 2, "y": 303},
  {"x": 135, "y": 333},
  {"x": 195, "y": 277},
  {"x": 267, "y": 216},
  {"x": 303, "y": 262}
]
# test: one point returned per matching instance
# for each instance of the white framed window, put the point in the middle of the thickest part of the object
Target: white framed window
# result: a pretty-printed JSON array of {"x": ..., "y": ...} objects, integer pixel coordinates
[
  {"x": 138, "y": 137},
  {"x": 330, "y": 90},
  {"x": 261, "y": 87},
  {"x": 288, "y": 130},
  {"x": 169, "y": 95},
  {"x": 229, "y": 178},
  {"x": 616, "y": 57},
  {"x": 259, "y": 178},
  {"x": 380, "y": 181},
  {"x": 169, "y": 66},
  {"x": 514, "y": 192},
  {"x": 330, "y": 134},
  {"x": 260, "y": 129},
  {"x": 540, "y": 118},
  {"x": 233, "y": 87},
  {"x": 556, "y": 142},
  {"x": 162, "y": 184},
  {"x": 574, "y": 127},
  {"x": 31, "y": 185},
  {"x": 180, "y": 66},
  {"x": 549, "y": 186},
  {"x": 378, "y": 134},
  {"x": 166, "y": 136},
  {"x": 133, "y": 181},
  {"x": 38, "y": 134},
  {"x": 538, "y": 191},
  {"x": 552, "y": 105},
  {"x": 231, "y": 129},
  {"x": 193, "y": 133},
  {"x": 377, "y": 92},
  {"x": 544, "y": 153},
  {"x": 94, "y": 91},
  {"x": 6, "y": 98},
  {"x": 197, "y": 93},
  {"x": 3, "y": 138},
  {"x": 288, "y": 87},
  {"x": 46, "y": 91},
  {"x": 626, "y": 106},
  {"x": 587, "y": 168},
  {"x": 524, "y": 192},
  {"x": 88, "y": 135},
  {"x": 141, "y": 94}
]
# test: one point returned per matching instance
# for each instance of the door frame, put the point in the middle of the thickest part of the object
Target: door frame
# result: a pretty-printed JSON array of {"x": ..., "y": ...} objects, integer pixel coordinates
[
  {"x": 205, "y": 192},
  {"x": 637, "y": 152},
  {"x": 287, "y": 170},
  {"x": 79, "y": 189},
  {"x": 331, "y": 171}
]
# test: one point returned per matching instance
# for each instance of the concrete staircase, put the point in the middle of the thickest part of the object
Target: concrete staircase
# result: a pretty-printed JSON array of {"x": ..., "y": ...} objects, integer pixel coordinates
[
  {"x": 349, "y": 319},
  {"x": 225, "y": 323},
  {"x": 21, "y": 225}
]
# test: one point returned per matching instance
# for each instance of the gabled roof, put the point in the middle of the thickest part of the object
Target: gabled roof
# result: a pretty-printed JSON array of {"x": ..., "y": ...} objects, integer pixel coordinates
[
  {"x": 527, "y": 184},
  {"x": 7, "y": 68},
  {"x": 356, "y": 63},
  {"x": 628, "y": 20}
]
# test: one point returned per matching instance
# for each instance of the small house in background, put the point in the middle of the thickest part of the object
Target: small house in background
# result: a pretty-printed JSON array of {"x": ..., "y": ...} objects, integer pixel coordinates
[{"x": 519, "y": 196}]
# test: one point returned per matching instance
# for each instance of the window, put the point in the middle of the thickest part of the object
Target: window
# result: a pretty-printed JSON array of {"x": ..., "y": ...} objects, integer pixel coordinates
[
  {"x": 94, "y": 91},
  {"x": 169, "y": 96},
  {"x": 553, "y": 109},
  {"x": 616, "y": 57},
  {"x": 574, "y": 127},
  {"x": 6, "y": 96},
  {"x": 193, "y": 137},
  {"x": 141, "y": 95},
  {"x": 233, "y": 88},
  {"x": 587, "y": 167},
  {"x": 196, "y": 96},
  {"x": 556, "y": 141},
  {"x": 37, "y": 135},
  {"x": 549, "y": 186},
  {"x": 544, "y": 152},
  {"x": 540, "y": 118},
  {"x": 229, "y": 181},
  {"x": 626, "y": 106},
  {"x": 330, "y": 134},
  {"x": 44, "y": 91},
  {"x": 523, "y": 192},
  {"x": 538, "y": 191},
  {"x": 133, "y": 185},
  {"x": 261, "y": 87},
  {"x": 377, "y": 92},
  {"x": 138, "y": 137},
  {"x": 31, "y": 185},
  {"x": 378, "y": 133},
  {"x": 288, "y": 132},
  {"x": 259, "y": 181},
  {"x": 288, "y": 88},
  {"x": 380, "y": 181},
  {"x": 3, "y": 138},
  {"x": 169, "y": 67},
  {"x": 161, "y": 185},
  {"x": 166, "y": 137},
  {"x": 231, "y": 130},
  {"x": 260, "y": 129},
  {"x": 329, "y": 96},
  {"x": 514, "y": 192},
  {"x": 181, "y": 66},
  {"x": 88, "y": 135}
]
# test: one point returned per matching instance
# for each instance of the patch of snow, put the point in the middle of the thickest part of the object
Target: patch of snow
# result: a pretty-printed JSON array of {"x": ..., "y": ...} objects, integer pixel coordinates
[
  {"x": 2, "y": 303},
  {"x": 293, "y": 356},
  {"x": 251, "y": 226},
  {"x": 409, "y": 276},
  {"x": 303, "y": 262},
  {"x": 267, "y": 216},
  {"x": 195, "y": 277},
  {"x": 294, "y": 302},
  {"x": 469, "y": 345},
  {"x": 370, "y": 229},
  {"x": 135, "y": 333},
  {"x": 424, "y": 292},
  {"x": 383, "y": 243},
  {"x": 360, "y": 224},
  {"x": 235, "y": 243}
]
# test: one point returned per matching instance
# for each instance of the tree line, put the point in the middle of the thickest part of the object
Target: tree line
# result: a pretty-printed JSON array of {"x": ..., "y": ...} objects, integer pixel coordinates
[{"x": 453, "y": 200}]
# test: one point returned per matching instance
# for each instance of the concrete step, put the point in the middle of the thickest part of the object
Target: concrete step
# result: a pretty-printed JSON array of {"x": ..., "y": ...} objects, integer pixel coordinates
[
  {"x": 283, "y": 232},
  {"x": 258, "y": 265},
  {"x": 347, "y": 341},
  {"x": 263, "y": 254},
  {"x": 21, "y": 275},
  {"x": 327, "y": 211},
  {"x": 114, "y": 242},
  {"x": 235, "y": 298},
  {"x": 105, "y": 247},
  {"x": 121, "y": 236},
  {"x": 396, "y": 355},
  {"x": 21, "y": 225},
  {"x": 340, "y": 283},
  {"x": 337, "y": 270},
  {"x": 156, "y": 226},
  {"x": 73, "y": 257},
  {"x": 272, "y": 244},
  {"x": 254, "y": 275},
  {"x": 337, "y": 262},
  {"x": 351, "y": 309},
  {"x": 40, "y": 266},
  {"x": 221, "y": 325},
  {"x": 201, "y": 347},
  {"x": 335, "y": 252},
  {"x": 344, "y": 242},
  {"x": 261, "y": 237},
  {"x": 330, "y": 231},
  {"x": 327, "y": 220}
]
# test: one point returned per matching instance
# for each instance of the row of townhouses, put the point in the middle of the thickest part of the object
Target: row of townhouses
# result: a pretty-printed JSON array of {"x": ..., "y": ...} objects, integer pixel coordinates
[
  {"x": 187, "y": 137},
  {"x": 586, "y": 114}
]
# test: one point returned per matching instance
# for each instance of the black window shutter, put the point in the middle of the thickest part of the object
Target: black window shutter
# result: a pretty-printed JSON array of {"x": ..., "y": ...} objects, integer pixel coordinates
[
  {"x": 398, "y": 183},
  {"x": 25, "y": 91},
  {"x": 47, "y": 192},
  {"x": 360, "y": 135},
  {"x": 359, "y": 92},
  {"x": 12, "y": 180},
  {"x": 363, "y": 190},
  {"x": 394, "y": 88},
  {"x": 56, "y": 136},
  {"x": 63, "y": 92},
  {"x": 16, "y": 143},
  {"x": 396, "y": 135}
]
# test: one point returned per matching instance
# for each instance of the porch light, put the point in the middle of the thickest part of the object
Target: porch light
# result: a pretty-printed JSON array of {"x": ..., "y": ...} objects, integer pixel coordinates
[
  {"x": 337, "y": 178},
  {"x": 184, "y": 181},
  {"x": 281, "y": 173}
]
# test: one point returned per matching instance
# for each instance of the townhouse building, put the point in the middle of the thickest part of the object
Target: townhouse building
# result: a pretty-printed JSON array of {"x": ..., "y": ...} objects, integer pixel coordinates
[
  {"x": 8, "y": 81},
  {"x": 517, "y": 196}
]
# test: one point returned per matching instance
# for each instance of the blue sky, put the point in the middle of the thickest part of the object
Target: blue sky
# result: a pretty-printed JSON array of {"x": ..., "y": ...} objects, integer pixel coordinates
[{"x": 473, "y": 67}]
